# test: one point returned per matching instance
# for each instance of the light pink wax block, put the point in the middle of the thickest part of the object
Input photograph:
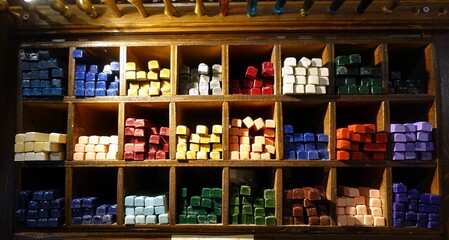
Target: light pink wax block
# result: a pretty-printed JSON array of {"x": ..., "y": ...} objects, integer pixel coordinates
[
  {"x": 78, "y": 156},
  {"x": 342, "y": 220},
  {"x": 100, "y": 156},
  {"x": 265, "y": 156},
  {"x": 164, "y": 131},
  {"x": 129, "y": 122},
  {"x": 270, "y": 123},
  {"x": 256, "y": 147},
  {"x": 236, "y": 122},
  {"x": 153, "y": 131},
  {"x": 235, "y": 155},
  {"x": 90, "y": 156},
  {"x": 254, "y": 156},
  {"x": 248, "y": 122},
  {"x": 259, "y": 139},
  {"x": 80, "y": 148},
  {"x": 139, "y": 156},
  {"x": 101, "y": 148},
  {"x": 142, "y": 123},
  {"x": 376, "y": 211},
  {"x": 244, "y": 140},
  {"x": 270, "y": 149},
  {"x": 247, "y": 83},
  {"x": 153, "y": 147},
  {"x": 234, "y": 139},
  {"x": 140, "y": 132},
  {"x": 350, "y": 210},
  {"x": 351, "y": 192},
  {"x": 89, "y": 148},
  {"x": 255, "y": 91},
  {"x": 379, "y": 221},
  {"x": 375, "y": 202},
  {"x": 350, "y": 201},
  {"x": 257, "y": 83},
  {"x": 358, "y": 220},
  {"x": 267, "y": 90},
  {"x": 129, "y": 131},
  {"x": 128, "y": 155},
  {"x": 160, "y": 154},
  {"x": 341, "y": 202},
  {"x": 340, "y": 211},
  {"x": 361, "y": 209},
  {"x": 140, "y": 139},
  {"x": 244, "y": 155},
  {"x": 351, "y": 220},
  {"x": 259, "y": 123},
  {"x": 359, "y": 200},
  {"x": 129, "y": 147},
  {"x": 234, "y": 131},
  {"x": 368, "y": 220},
  {"x": 140, "y": 147},
  {"x": 155, "y": 139},
  {"x": 251, "y": 72},
  {"x": 245, "y": 148},
  {"x": 268, "y": 132},
  {"x": 243, "y": 132}
]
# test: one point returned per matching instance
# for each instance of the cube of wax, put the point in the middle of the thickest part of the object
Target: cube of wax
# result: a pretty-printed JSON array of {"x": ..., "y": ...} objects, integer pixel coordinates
[
  {"x": 251, "y": 72},
  {"x": 368, "y": 220},
  {"x": 369, "y": 192},
  {"x": 343, "y": 133},
  {"x": 215, "y": 155},
  {"x": 376, "y": 211},
  {"x": 423, "y": 126},
  {"x": 182, "y": 130},
  {"x": 57, "y": 138},
  {"x": 202, "y": 129},
  {"x": 342, "y": 220},
  {"x": 235, "y": 122},
  {"x": 248, "y": 122},
  {"x": 259, "y": 123},
  {"x": 153, "y": 65},
  {"x": 304, "y": 62},
  {"x": 36, "y": 137},
  {"x": 351, "y": 192},
  {"x": 290, "y": 61},
  {"x": 375, "y": 202},
  {"x": 361, "y": 210},
  {"x": 350, "y": 210}
]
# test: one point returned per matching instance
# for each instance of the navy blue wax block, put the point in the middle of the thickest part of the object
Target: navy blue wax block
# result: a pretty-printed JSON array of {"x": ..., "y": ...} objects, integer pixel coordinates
[
  {"x": 42, "y": 64},
  {"x": 89, "y": 92},
  {"x": 309, "y": 146},
  {"x": 44, "y": 204},
  {"x": 423, "y": 126},
  {"x": 398, "y": 215},
  {"x": 80, "y": 68},
  {"x": 77, "y": 220},
  {"x": 420, "y": 146},
  {"x": 422, "y": 216},
  {"x": 409, "y": 147},
  {"x": 321, "y": 146},
  {"x": 424, "y": 208},
  {"x": 409, "y": 223},
  {"x": 31, "y": 223},
  {"x": 45, "y": 84},
  {"x": 399, "y": 188},
  {"x": 400, "y": 197},
  {"x": 309, "y": 137},
  {"x": 44, "y": 74},
  {"x": 298, "y": 147},
  {"x": 34, "y": 75},
  {"x": 38, "y": 195},
  {"x": 80, "y": 75},
  {"x": 102, "y": 210},
  {"x": 26, "y": 83},
  {"x": 425, "y": 198},
  {"x": 435, "y": 199},
  {"x": 80, "y": 84},
  {"x": 301, "y": 155},
  {"x": 288, "y": 138},
  {"x": 89, "y": 211},
  {"x": 398, "y": 137},
  {"x": 113, "y": 85},
  {"x": 36, "y": 91},
  {"x": 33, "y": 205},
  {"x": 290, "y": 154},
  {"x": 398, "y": 206},
  {"x": 57, "y": 203},
  {"x": 102, "y": 76},
  {"x": 77, "y": 203},
  {"x": 27, "y": 92},
  {"x": 115, "y": 66},
  {"x": 34, "y": 66},
  {"x": 47, "y": 91},
  {"x": 58, "y": 92},
  {"x": 56, "y": 83},
  {"x": 298, "y": 137},
  {"x": 20, "y": 214},
  {"x": 91, "y": 77},
  {"x": 35, "y": 83},
  {"x": 107, "y": 219},
  {"x": 288, "y": 146},
  {"x": 32, "y": 214},
  {"x": 89, "y": 85},
  {"x": 112, "y": 209},
  {"x": 433, "y": 225},
  {"x": 288, "y": 129},
  {"x": 87, "y": 219},
  {"x": 93, "y": 68},
  {"x": 90, "y": 202},
  {"x": 100, "y": 84},
  {"x": 410, "y": 136},
  {"x": 434, "y": 217},
  {"x": 42, "y": 213},
  {"x": 413, "y": 193},
  {"x": 26, "y": 75},
  {"x": 23, "y": 198},
  {"x": 321, "y": 137},
  {"x": 424, "y": 136},
  {"x": 77, "y": 212},
  {"x": 434, "y": 208},
  {"x": 323, "y": 154},
  {"x": 77, "y": 53},
  {"x": 58, "y": 73},
  {"x": 54, "y": 222},
  {"x": 398, "y": 222},
  {"x": 421, "y": 224},
  {"x": 96, "y": 219},
  {"x": 312, "y": 155},
  {"x": 413, "y": 205},
  {"x": 43, "y": 54},
  {"x": 430, "y": 147},
  {"x": 410, "y": 155},
  {"x": 25, "y": 66},
  {"x": 56, "y": 213},
  {"x": 410, "y": 215},
  {"x": 112, "y": 92}
]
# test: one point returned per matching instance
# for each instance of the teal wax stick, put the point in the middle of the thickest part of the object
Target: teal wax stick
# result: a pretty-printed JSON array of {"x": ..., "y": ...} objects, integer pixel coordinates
[
  {"x": 251, "y": 7},
  {"x": 279, "y": 6}
]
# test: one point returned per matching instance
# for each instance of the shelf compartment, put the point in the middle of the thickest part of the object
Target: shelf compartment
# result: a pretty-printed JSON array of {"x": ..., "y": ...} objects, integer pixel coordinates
[{"x": 44, "y": 117}]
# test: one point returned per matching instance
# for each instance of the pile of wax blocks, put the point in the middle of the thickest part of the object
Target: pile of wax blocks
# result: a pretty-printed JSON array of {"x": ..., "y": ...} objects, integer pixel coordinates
[
  {"x": 252, "y": 139},
  {"x": 88, "y": 210},
  {"x": 40, "y": 208},
  {"x": 353, "y": 78},
  {"x": 143, "y": 140},
  {"x": 397, "y": 85},
  {"x": 412, "y": 208},
  {"x": 249, "y": 207},
  {"x": 89, "y": 82},
  {"x": 359, "y": 207},
  {"x": 204, "y": 209},
  {"x": 42, "y": 75},
  {"x": 254, "y": 84},
  {"x": 412, "y": 141},
  {"x": 96, "y": 148},
  {"x": 199, "y": 145},
  {"x": 146, "y": 210},
  {"x": 361, "y": 142},
  {"x": 307, "y": 145},
  {"x": 37, "y": 146},
  {"x": 305, "y": 205},
  {"x": 304, "y": 76},
  {"x": 201, "y": 80},
  {"x": 155, "y": 82}
]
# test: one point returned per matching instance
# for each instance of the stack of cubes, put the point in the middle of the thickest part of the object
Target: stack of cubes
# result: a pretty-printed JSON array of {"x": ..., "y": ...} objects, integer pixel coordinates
[
  {"x": 254, "y": 84},
  {"x": 89, "y": 82},
  {"x": 359, "y": 207},
  {"x": 146, "y": 209},
  {"x": 352, "y": 78},
  {"x": 247, "y": 207},
  {"x": 412, "y": 208},
  {"x": 204, "y": 209},
  {"x": 42, "y": 75},
  {"x": 399, "y": 86},
  {"x": 199, "y": 145},
  {"x": 252, "y": 139},
  {"x": 96, "y": 148},
  {"x": 305, "y": 205},
  {"x": 40, "y": 208},
  {"x": 306, "y": 76},
  {"x": 307, "y": 145},
  {"x": 155, "y": 82},
  {"x": 201, "y": 80},
  {"x": 412, "y": 141},
  {"x": 88, "y": 210},
  {"x": 143, "y": 140},
  {"x": 361, "y": 142},
  {"x": 37, "y": 146}
]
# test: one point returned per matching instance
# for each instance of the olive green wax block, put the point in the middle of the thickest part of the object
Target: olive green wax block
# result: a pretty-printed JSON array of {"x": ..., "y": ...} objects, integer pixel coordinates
[
  {"x": 212, "y": 219},
  {"x": 206, "y": 202},
  {"x": 216, "y": 202},
  {"x": 235, "y": 218},
  {"x": 353, "y": 71},
  {"x": 216, "y": 192},
  {"x": 365, "y": 81},
  {"x": 366, "y": 71},
  {"x": 234, "y": 209},
  {"x": 234, "y": 201},
  {"x": 270, "y": 221},
  {"x": 269, "y": 194},
  {"x": 353, "y": 89},
  {"x": 246, "y": 200},
  {"x": 202, "y": 219},
  {"x": 192, "y": 219},
  {"x": 270, "y": 203},
  {"x": 376, "y": 81},
  {"x": 195, "y": 201},
  {"x": 259, "y": 203},
  {"x": 376, "y": 90},
  {"x": 247, "y": 209},
  {"x": 270, "y": 211},
  {"x": 355, "y": 59},
  {"x": 350, "y": 81},
  {"x": 259, "y": 220},
  {"x": 364, "y": 90},
  {"x": 341, "y": 71},
  {"x": 343, "y": 90},
  {"x": 247, "y": 219},
  {"x": 259, "y": 212},
  {"x": 182, "y": 219},
  {"x": 341, "y": 60},
  {"x": 216, "y": 211},
  {"x": 183, "y": 192},
  {"x": 376, "y": 72},
  {"x": 245, "y": 190},
  {"x": 206, "y": 192}
]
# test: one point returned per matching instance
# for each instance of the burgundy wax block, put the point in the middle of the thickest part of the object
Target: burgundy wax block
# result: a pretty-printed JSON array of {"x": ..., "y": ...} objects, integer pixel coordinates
[
  {"x": 236, "y": 91},
  {"x": 153, "y": 131},
  {"x": 420, "y": 146},
  {"x": 288, "y": 194},
  {"x": 298, "y": 193},
  {"x": 130, "y": 139},
  {"x": 312, "y": 194},
  {"x": 257, "y": 83},
  {"x": 378, "y": 156},
  {"x": 164, "y": 147},
  {"x": 140, "y": 147},
  {"x": 129, "y": 147},
  {"x": 424, "y": 136},
  {"x": 128, "y": 155},
  {"x": 397, "y": 128},
  {"x": 140, "y": 140},
  {"x": 398, "y": 137},
  {"x": 251, "y": 72},
  {"x": 410, "y": 155},
  {"x": 409, "y": 147},
  {"x": 370, "y": 128},
  {"x": 140, "y": 132},
  {"x": 234, "y": 84},
  {"x": 142, "y": 123},
  {"x": 160, "y": 154},
  {"x": 297, "y": 212},
  {"x": 151, "y": 155},
  {"x": 311, "y": 212},
  {"x": 247, "y": 83},
  {"x": 267, "y": 90},
  {"x": 409, "y": 127},
  {"x": 398, "y": 147},
  {"x": 153, "y": 147},
  {"x": 423, "y": 126},
  {"x": 410, "y": 137},
  {"x": 298, "y": 220},
  {"x": 308, "y": 203},
  {"x": 155, "y": 139},
  {"x": 399, "y": 156},
  {"x": 129, "y": 131},
  {"x": 139, "y": 156},
  {"x": 255, "y": 91},
  {"x": 130, "y": 122},
  {"x": 164, "y": 131},
  {"x": 314, "y": 220},
  {"x": 246, "y": 91}
]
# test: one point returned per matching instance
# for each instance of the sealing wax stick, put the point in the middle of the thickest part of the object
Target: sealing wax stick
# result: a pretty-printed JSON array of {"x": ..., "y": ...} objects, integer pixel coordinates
[
  {"x": 139, "y": 5},
  {"x": 169, "y": 9},
  {"x": 200, "y": 9},
  {"x": 308, "y": 4},
  {"x": 224, "y": 7},
  {"x": 5, "y": 6},
  {"x": 363, "y": 5},
  {"x": 86, "y": 6},
  {"x": 279, "y": 6},
  {"x": 251, "y": 7},
  {"x": 391, "y": 5},
  {"x": 113, "y": 6},
  {"x": 335, "y": 5}
]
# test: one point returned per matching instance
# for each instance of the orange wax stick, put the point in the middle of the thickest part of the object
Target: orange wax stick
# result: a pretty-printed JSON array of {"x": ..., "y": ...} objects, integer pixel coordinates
[
  {"x": 234, "y": 147},
  {"x": 370, "y": 147},
  {"x": 355, "y": 147},
  {"x": 370, "y": 128},
  {"x": 357, "y": 128},
  {"x": 343, "y": 133},
  {"x": 268, "y": 132},
  {"x": 356, "y": 156},
  {"x": 343, "y": 144},
  {"x": 366, "y": 138},
  {"x": 381, "y": 137},
  {"x": 356, "y": 137},
  {"x": 380, "y": 147},
  {"x": 234, "y": 131},
  {"x": 379, "y": 156},
  {"x": 342, "y": 155}
]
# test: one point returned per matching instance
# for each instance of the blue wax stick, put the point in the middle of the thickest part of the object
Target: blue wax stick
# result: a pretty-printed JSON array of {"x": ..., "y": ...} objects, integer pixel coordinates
[
  {"x": 279, "y": 6},
  {"x": 251, "y": 7},
  {"x": 363, "y": 5},
  {"x": 335, "y": 5}
]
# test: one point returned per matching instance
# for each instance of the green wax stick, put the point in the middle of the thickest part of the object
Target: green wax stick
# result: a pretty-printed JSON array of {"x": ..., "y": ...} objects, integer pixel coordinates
[
  {"x": 350, "y": 81},
  {"x": 216, "y": 192},
  {"x": 182, "y": 219},
  {"x": 202, "y": 219},
  {"x": 259, "y": 203},
  {"x": 183, "y": 192},
  {"x": 247, "y": 209},
  {"x": 259, "y": 220},
  {"x": 355, "y": 59},
  {"x": 247, "y": 219},
  {"x": 270, "y": 221},
  {"x": 270, "y": 203},
  {"x": 216, "y": 211},
  {"x": 353, "y": 90},
  {"x": 365, "y": 81},
  {"x": 343, "y": 90},
  {"x": 191, "y": 219},
  {"x": 235, "y": 218},
  {"x": 341, "y": 71},
  {"x": 234, "y": 201},
  {"x": 216, "y": 202},
  {"x": 212, "y": 219},
  {"x": 376, "y": 90},
  {"x": 246, "y": 200},
  {"x": 366, "y": 71},
  {"x": 206, "y": 192},
  {"x": 245, "y": 190},
  {"x": 269, "y": 194},
  {"x": 234, "y": 209},
  {"x": 364, "y": 90},
  {"x": 195, "y": 201},
  {"x": 341, "y": 60},
  {"x": 376, "y": 81},
  {"x": 206, "y": 202},
  {"x": 259, "y": 212}
]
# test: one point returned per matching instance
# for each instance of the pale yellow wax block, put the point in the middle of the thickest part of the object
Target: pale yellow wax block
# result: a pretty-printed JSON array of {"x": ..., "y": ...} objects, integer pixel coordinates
[
  {"x": 101, "y": 148},
  {"x": 244, "y": 155},
  {"x": 20, "y": 137},
  {"x": 105, "y": 140},
  {"x": 164, "y": 74},
  {"x": 341, "y": 202},
  {"x": 350, "y": 201},
  {"x": 80, "y": 147},
  {"x": 244, "y": 140},
  {"x": 270, "y": 123},
  {"x": 235, "y": 155},
  {"x": 153, "y": 65},
  {"x": 182, "y": 130},
  {"x": 29, "y": 146},
  {"x": 155, "y": 84},
  {"x": 78, "y": 156},
  {"x": 141, "y": 75},
  {"x": 270, "y": 149},
  {"x": 38, "y": 146},
  {"x": 194, "y": 147},
  {"x": 313, "y": 71},
  {"x": 195, "y": 138},
  {"x": 113, "y": 147},
  {"x": 320, "y": 89},
  {"x": 215, "y": 138},
  {"x": 143, "y": 92},
  {"x": 351, "y": 220},
  {"x": 350, "y": 210},
  {"x": 215, "y": 155},
  {"x": 361, "y": 209},
  {"x": 236, "y": 122},
  {"x": 182, "y": 138},
  {"x": 248, "y": 122},
  {"x": 19, "y": 147},
  {"x": 376, "y": 211},
  {"x": 342, "y": 220},
  {"x": 379, "y": 221},
  {"x": 313, "y": 80},
  {"x": 243, "y": 132},
  {"x": 182, "y": 146},
  {"x": 111, "y": 155},
  {"x": 133, "y": 92},
  {"x": 154, "y": 91},
  {"x": 368, "y": 220},
  {"x": 290, "y": 61},
  {"x": 217, "y": 129},
  {"x": 316, "y": 62},
  {"x": 130, "y": 66},
  {"x": 259, "y": 123},
  {"x": 340, "y": 210},
  {"x": 19, "y": 156},
  {"x": 310, "y": 88},
  {"x": 234, "y": 131},
  {"x": 375, "y": 202},
  {"x": 29, "y": 156},
  {"x": 57, "y": 156},
  {"x": 245, "y": 148},
  {"x": 113, "y": 139},
  {"x": 299, "y": 88},
  {"x": 181, "y": 155},
  {"x": 369, "y": 192},
  {"x": 130, "y": 75},
  {"x": 358, "y": 220},
  {"x": 205, "y": 147},
  {"x": 323, "y": 72},
  {"x": 359, "y": 200},
  {"x": 217, "y": 147},
  {"x": 94, "y": 139},
  {"x": 256, "y": 147},
  {"x": 90, "y": 156},
  {"x": 259, "y": 139},
  {"x": 36, "y": 137},
  {"x": 288, "y": 88},
  {"x": 202, "y": 129},
  {"x": 41, "y": 156},
  {"x": 153, "y": 76},
  {"x": 89, "y": 148},
  {"x": 201, "y": 155},
  {"x": 100, "y": 156},
  {"x": 191, "y": 155},
  {"x": 265, "y": 156},
  {"x": 254, "y": 156},
  {"x": 144, "y": 85},
  {"x": 133, "y": 85},
  {"x": 351, "y": 192},
  {"x": 300, "y": 71},
  {"x": 57, "y": 138}
]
